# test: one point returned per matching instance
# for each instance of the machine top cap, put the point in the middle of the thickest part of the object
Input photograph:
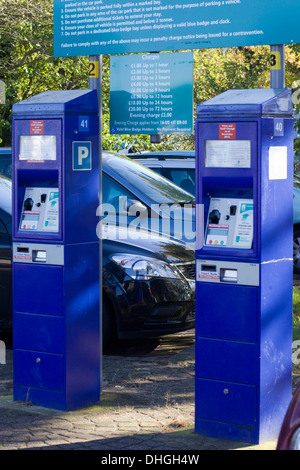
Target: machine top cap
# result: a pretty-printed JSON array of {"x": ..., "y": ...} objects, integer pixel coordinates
[
  {"x": 254, "y": 102},
  {"x": 59, "y": 102}
]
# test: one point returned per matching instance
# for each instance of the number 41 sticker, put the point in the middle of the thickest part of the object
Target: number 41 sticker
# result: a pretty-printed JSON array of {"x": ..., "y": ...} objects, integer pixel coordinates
[
  {"x": 278, "y": 128},
  {"x": 84, "y": 123}
]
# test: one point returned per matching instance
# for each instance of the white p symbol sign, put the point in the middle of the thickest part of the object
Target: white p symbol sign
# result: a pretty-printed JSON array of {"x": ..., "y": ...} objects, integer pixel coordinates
[
  {"x": 83, "y": 152},
  {"x": 82, "y": 155}
]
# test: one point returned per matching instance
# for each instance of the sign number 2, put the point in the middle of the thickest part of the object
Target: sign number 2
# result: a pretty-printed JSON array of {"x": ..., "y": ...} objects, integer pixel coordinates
[{"x": 94, "y": 69}]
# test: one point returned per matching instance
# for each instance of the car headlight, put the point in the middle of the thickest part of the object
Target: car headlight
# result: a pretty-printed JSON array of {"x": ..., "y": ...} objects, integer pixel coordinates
[
  {"x": 144, "y": 268},
  {"x": 295, "y": 441}
]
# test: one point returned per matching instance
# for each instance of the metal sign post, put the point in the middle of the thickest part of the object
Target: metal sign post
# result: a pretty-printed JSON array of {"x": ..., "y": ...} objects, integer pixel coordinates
[
  {"x": 277, "y": 63},
  {"x": 95, "y": 83}
]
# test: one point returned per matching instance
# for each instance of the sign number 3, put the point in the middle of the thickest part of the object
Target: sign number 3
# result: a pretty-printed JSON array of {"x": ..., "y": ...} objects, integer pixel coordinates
[{"x": 275, "y": 60}]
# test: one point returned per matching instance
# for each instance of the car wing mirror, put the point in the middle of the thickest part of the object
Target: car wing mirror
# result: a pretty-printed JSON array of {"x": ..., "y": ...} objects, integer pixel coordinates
[{"x": 135, "y": 208}]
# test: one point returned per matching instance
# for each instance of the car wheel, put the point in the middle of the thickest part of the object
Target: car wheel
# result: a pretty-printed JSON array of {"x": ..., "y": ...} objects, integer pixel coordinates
[
  {"x": 296, "y": 250},
  {"x": 108, "y": 324}
]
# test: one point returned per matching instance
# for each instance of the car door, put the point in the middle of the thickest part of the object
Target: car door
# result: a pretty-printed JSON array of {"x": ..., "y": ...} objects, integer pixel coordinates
[{"x": 5, "y": 276}]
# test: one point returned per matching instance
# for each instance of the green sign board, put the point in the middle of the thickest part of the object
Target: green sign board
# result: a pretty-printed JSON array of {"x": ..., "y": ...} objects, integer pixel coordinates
[{"x": 151, "y": 94}]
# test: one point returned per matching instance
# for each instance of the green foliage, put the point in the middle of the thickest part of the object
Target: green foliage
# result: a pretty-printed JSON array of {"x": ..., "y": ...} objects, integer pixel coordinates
[
  {"x": 27, "y": 65},
  {"x": 293, "y": 78},
  {"x": 296, "y": 306}
]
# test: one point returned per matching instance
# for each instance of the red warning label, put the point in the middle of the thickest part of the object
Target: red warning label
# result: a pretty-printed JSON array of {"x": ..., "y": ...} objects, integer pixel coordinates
[
  {"x": 227, "y": 131},
  {"x": 37, "y": 127}
]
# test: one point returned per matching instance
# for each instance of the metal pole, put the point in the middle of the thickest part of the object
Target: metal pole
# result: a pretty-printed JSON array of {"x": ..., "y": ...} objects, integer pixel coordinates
[
  {"x": 95, "y": 82},
  {"x": 278, "y": 66}
]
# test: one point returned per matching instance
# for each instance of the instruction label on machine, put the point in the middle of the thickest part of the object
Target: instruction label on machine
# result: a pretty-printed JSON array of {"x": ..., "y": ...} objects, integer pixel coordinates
[
  {"x": 40, "y": 210},
  {"x": 228, "y": 153},
  {"x": 51, "y": 212},
  {"x": 37, "y": 148},
  {"x": 230, "y": 223},
  {"x": 243, "y": 234}
]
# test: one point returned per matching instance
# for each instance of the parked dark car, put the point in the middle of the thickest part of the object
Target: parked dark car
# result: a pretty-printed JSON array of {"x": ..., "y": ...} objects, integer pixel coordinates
[
  {"x": 5, "y": 161},
  {"x": 148, "y": 283},
  {"x": 289, "y": 437},
  {"x": 5, "y": 254},
  {"x": 177, "y": 166},
  {"x": 165, "y": 207}
]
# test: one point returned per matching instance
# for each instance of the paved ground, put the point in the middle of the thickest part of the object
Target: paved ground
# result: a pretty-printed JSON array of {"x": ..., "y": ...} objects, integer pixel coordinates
[{"x": 147, "y": 403}]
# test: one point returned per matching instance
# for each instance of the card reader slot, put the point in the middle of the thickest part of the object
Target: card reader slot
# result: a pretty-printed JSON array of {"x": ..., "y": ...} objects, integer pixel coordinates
[
  {"x": 21, "y": 249},
  {"x": 208, "y": 268}
]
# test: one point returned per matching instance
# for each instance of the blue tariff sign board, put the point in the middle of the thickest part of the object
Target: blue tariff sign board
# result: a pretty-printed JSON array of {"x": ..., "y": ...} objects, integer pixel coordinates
[
  {"x": 91, "y": 27},
  {"x": 151, "y": 94}
]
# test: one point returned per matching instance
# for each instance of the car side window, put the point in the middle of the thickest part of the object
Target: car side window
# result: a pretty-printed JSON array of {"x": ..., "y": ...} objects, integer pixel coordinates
[
  {"x": 5, "y": 166},
  {"x": 112, "y": 192},
  {"x": 184, "y": 178},
  {"x": 158, "y": 170},
  {"x": 4, "y": 237},
  {"x": 2, "y": 227}
]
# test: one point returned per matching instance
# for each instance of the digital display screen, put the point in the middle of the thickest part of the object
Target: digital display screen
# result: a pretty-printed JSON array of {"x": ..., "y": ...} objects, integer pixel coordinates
[
  {"x": 34, "y": 217},
  {"x": 29, "y": 221},
  {"x": 217, "y": 231}
]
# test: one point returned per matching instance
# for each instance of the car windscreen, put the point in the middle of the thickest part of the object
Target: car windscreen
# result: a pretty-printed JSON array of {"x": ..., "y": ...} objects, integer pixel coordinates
[
  {"x": 157, "y": 189},
  {"x": 5, "y": 165},
  {"x": 5, "y": 195},
  {"x": 296, "y": 180}
]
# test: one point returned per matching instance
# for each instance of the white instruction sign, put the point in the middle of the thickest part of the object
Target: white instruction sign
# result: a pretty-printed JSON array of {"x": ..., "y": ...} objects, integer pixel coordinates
[
  {"x": 228, "y": 154},
  {"x": 243, "y": 233},
  {"x": 278, "y": 163},
  {"x": 37, "y": 147},
  {"x": 51, "y": 212}
]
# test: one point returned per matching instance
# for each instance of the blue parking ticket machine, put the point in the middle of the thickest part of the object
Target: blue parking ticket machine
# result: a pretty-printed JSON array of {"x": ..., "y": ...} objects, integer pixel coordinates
[
  {"x": 56, "y": 320},
  {"x": 244, "y": 268}
]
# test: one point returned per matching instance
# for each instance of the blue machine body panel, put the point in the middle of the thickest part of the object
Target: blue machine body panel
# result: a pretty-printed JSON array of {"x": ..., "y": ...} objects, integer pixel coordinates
[
  {"x": 56, "y": 256},
  {"x": 244, "y": 269}
]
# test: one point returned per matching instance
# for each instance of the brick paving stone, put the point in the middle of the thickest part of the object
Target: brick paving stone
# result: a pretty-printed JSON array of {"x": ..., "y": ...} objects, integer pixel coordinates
[{"x": 147, "y": 403}]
